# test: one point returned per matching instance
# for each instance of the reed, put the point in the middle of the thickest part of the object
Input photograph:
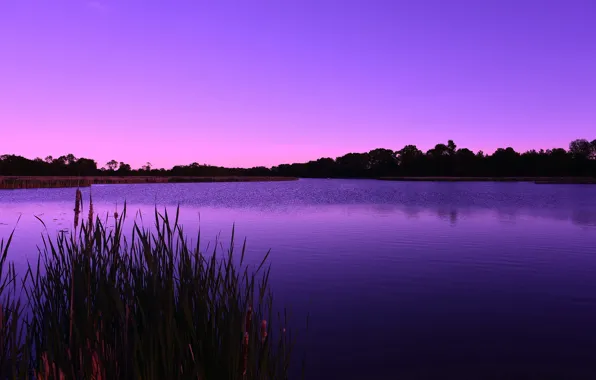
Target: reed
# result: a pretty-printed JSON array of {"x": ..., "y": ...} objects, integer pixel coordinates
[
  {"x": 14, "y": 353},
  {"x": 151, "y": 306},
  {"x": 33, "y": 182}
]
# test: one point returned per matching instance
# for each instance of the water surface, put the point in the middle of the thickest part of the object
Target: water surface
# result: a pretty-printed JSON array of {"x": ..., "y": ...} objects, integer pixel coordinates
[{"x": 402, "y": 280}]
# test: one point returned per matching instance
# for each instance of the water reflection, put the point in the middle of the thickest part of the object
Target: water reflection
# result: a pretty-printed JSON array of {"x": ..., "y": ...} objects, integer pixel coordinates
[
  {"x": 450, "y": 215},
  {"x": 9, "y": 213},
  {"x": 426, "y": 277}
]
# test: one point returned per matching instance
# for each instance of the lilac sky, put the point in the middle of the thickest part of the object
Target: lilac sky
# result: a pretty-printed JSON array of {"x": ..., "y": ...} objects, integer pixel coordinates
[{"x": 247, "y": 82}]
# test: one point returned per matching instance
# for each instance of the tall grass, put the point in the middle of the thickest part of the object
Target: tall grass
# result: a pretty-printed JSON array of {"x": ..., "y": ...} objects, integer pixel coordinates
[
  {"x": 14, "y": 354},
  {"x": 152, "y": 306}
]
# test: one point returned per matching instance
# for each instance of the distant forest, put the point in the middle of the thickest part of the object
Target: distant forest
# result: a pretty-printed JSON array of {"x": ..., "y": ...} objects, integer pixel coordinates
[{"x": 442, "y": 160}]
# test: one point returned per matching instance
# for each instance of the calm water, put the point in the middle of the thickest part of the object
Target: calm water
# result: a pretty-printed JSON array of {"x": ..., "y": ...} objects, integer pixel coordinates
[{"x": 402, "y": 280}]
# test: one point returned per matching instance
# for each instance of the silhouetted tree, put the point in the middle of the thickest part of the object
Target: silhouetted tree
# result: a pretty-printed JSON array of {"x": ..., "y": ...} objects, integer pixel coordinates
[
  {"x": 70, "y": 158},
  {"x": 123, "y": 169},
  {"x": 112, "y": 165},
  {"x": 466, "y": 163},
  {"x": 580, "y": 148},
  {"x": 503, "y": 162},
  {"x": 353, "y": 165},
  {"x": 84, "y": 166},
  {"x": 438, "y": 151},
  {"x": 60, "y": 161},
  {"x": 321, "y": 168},
  {"x": 442, "y": 160},
  {"x": 451, "y": 146},
  {"x": 383, "y": 162},
  {"x": 411, "y": 160}
]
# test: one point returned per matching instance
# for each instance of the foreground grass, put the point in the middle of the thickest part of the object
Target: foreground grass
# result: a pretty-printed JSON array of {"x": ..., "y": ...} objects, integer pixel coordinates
[{"x": 101, "y": 306}]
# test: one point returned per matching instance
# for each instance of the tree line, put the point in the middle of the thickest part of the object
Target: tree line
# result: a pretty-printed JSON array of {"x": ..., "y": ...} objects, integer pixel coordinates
[{"x": 442, "y": 160}]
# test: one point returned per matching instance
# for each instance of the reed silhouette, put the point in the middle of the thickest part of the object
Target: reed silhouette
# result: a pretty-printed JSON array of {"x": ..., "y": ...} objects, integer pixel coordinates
[{"x": 153, "y": 306}]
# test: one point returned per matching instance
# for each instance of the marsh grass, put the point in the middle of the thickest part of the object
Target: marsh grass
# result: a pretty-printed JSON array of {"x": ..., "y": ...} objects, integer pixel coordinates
[
  {"x": 152, "y": 306},
  {"x": 34, "y": 182},
  {"x": 14, "y": 353}
]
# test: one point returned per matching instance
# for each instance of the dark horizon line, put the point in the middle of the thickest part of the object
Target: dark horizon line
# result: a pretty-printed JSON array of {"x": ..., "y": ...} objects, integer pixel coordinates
[{"x": 574, "y": 146}]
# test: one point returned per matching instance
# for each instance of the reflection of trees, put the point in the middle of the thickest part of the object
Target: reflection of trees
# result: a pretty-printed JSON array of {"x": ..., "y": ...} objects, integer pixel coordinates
[
  {"x": 453, "y": 214},
  {"x": 507, "y": 215},
  {"x": 580, "y": 217},
  {"x": 453, "y": 217},
  {"x": 412, "y": 212},
  {"x": 448, "y": 214},
  {"x": 384, "y": 209},
  {"x": 583, "y": 217},
  {"x": 577, "y": 216}
]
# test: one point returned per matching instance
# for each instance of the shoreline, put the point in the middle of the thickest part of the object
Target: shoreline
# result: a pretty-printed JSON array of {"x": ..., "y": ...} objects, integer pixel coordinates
[
  {"x": 536, "y": 180},
  {"x": 40, "y": 182}
]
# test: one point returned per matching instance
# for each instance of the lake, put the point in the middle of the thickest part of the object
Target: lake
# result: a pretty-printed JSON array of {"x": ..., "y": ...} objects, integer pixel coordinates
[{"x": 402, "y": 280}]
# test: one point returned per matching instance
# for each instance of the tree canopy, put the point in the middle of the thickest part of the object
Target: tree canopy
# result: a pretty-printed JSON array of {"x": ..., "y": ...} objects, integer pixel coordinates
[{"x": 442, "y": 160}]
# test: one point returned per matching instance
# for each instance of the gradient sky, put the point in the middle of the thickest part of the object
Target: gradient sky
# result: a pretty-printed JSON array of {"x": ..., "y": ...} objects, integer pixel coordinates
[{"x": 247, "y": 82}]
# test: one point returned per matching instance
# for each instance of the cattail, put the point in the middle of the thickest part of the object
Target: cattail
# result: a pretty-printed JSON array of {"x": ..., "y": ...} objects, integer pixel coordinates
[
  {"x": 80, "y": 358},
  {"x": 71, "y": 306},
  {"x": 96, "y": 370},
  {"x": 263, "y": 330},
  {"x": 245, "y": 354},
  {"x": 46, "y": 365},
  {"x": 102, "y": 343},
  {"x": 78, "y": 200},
  {"x": 77, "y": 209},
  {"x": 248, "y": 318},
  {"x": 192, "y": 354},
  {"x": 127, "y": 318},
  {"x": 90, "y": 211}
]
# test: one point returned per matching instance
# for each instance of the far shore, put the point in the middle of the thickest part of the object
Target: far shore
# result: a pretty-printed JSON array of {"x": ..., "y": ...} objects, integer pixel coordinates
[
  {"x": 537, "y": 180},
  {"x": 36, "y": 182}
]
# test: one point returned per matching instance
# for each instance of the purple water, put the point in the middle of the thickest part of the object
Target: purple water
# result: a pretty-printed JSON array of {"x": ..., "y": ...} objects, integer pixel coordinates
[{"x": 402, "y": 280}]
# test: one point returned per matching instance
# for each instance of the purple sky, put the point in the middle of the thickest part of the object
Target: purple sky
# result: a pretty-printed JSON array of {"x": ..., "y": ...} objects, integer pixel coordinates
[{"x": 247, "y": 82}]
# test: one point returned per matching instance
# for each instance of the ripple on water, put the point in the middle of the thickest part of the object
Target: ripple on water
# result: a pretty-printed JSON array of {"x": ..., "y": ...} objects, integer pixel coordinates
[{"x": 401, "y": 278}]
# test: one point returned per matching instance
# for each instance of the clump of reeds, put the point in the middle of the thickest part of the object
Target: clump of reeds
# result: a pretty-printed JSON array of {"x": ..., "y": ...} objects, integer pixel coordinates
[
  {"x": 150, "y": 307},
  {"x": 14, "y": 352}
]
